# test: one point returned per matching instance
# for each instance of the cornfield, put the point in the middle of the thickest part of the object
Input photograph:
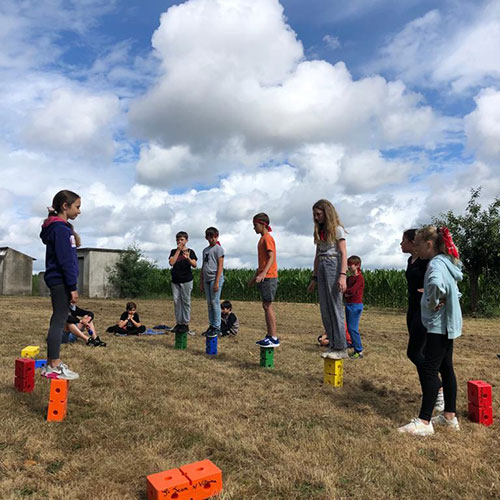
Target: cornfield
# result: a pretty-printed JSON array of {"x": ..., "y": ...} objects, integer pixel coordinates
[{"x": 383, "y": 288}]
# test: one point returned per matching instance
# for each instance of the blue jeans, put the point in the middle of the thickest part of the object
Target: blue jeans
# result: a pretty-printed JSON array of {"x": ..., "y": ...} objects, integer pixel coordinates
[
  {"x": 353, "y": 315},
  {"x": 213, "y": 302}
]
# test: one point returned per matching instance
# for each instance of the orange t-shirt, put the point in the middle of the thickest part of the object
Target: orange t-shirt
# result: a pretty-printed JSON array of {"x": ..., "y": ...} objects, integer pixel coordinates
[{"x": 265, "y": 244}]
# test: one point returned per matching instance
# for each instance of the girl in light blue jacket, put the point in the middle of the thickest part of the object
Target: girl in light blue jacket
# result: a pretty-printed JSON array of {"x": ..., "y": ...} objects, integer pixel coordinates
[{"x": 442, "y": 317}]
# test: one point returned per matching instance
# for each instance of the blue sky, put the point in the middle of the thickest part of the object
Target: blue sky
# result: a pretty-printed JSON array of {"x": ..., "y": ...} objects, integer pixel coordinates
[{"x": 169, "y": 116}]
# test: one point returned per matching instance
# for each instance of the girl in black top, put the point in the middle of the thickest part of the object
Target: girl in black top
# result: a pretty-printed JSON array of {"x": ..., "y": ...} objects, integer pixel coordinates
[{"x": 415, "y": 272}]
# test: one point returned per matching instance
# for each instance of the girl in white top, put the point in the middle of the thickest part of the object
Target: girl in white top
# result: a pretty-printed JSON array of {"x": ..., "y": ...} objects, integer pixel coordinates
[{"x": 330, "y": 266}]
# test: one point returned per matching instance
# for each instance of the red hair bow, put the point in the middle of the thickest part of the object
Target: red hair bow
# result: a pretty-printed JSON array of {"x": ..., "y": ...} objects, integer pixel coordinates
[{"x": 448, "y": 241}]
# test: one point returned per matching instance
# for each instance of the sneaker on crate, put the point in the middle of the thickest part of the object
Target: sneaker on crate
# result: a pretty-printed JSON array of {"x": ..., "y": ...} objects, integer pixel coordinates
[
  {"x": 442, "y": 420},
  {"x": 175, "y": 329},
  {"x": 214, "y": 332},
  {"x": 337, "y": 354},
  {"x": 439, "y": 404},
  {"x": 417, "y": 428},
  {"x": 268, "y": 341},
  {"x": 60, "y": 372},
  {"x": 207, "y": 331}
]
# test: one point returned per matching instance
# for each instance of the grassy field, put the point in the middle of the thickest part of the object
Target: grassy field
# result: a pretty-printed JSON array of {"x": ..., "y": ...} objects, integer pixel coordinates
[{"x": 141, "y": 407}]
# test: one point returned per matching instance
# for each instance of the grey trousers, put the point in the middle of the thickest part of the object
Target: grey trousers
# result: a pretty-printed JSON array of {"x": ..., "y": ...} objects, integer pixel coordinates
[
  {"x": 330, "y": 302},
  {"x": 182, "y": 302}
]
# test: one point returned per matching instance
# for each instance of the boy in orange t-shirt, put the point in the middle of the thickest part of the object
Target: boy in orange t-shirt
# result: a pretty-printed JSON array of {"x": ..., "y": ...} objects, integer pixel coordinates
[{"x": 266, "y": 277}]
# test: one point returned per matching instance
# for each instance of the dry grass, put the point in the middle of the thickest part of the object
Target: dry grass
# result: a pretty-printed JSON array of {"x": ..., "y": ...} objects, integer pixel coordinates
[{"x": 141, "y": 407}]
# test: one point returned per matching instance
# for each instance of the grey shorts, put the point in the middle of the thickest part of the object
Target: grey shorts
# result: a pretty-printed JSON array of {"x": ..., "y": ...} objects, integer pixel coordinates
[{"x": 267, "y": 289}]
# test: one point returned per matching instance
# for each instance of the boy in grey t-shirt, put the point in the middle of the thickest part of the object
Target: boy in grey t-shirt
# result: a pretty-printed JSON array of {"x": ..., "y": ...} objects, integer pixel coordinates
[{"x": 212, "y": 278}]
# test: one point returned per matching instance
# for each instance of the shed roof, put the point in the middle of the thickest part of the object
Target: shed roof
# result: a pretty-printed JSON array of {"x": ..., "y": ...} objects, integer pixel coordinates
[
  {"x": 3, "y": 252},
  {"x": 89, "y": 249}
]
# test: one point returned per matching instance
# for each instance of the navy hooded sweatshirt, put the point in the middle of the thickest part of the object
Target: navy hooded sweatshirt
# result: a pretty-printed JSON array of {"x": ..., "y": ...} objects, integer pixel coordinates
[{"x": 61, "y": 260}]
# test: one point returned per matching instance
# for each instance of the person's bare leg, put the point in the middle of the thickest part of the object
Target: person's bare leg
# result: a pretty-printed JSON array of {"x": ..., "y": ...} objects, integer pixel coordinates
[{"x": 270, "y": 318}]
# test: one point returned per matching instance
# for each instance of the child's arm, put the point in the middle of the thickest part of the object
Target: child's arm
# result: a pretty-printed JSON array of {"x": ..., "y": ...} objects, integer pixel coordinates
[
  {"x": 343, "y": 265},
  {"x": 261, "y": 276},
  {"x": 314, "y": 278},
  {"x": 122, "y": 323},
  {"x": 354, "y": 286},
  {"x": 173, "y": 259},
  {"x": 137, "y": 323},
  {"x": 193, "y": 261},
  {"x": 220, "y": 267}
]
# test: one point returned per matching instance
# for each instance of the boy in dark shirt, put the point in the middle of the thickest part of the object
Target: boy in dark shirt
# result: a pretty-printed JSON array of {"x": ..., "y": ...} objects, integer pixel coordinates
[
  {"x": 129, "y": 323},
  {"x": 182, "y": 259},
  {"x": 229, "y": 321},
  {"x": 354, "y": 303}
]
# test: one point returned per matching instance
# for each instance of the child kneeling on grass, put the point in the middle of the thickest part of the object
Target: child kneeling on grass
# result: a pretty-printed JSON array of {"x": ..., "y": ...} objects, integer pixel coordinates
[
  {"x": 80, "y": 325},
  {"x": 129, "y": 323},
  {"x": 229, "y": 321}
]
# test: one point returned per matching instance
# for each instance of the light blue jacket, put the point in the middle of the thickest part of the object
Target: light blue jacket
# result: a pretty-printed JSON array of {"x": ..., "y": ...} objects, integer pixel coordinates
[{"x": 440, "y": 282}]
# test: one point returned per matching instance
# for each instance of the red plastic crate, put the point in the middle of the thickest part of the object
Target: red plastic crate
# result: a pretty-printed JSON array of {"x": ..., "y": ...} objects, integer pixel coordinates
[
  {"x": 481, "y": 414},
  {"x": 25, "y": 368},
  {"x": 205, "y": 477},
  {"x": 479, "y": 393},
  {"x": 24, "y": 384}
]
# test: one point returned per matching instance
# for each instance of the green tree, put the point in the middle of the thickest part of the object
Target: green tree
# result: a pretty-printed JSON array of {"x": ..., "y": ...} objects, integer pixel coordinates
[
  {"x": 477, "y": 236},
  {"x": 131, "y": 275}
]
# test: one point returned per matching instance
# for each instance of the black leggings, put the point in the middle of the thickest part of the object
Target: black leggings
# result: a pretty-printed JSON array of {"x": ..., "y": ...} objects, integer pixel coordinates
[
  {"x": 416, "y": 340},
  {"x": 60, "y": 296},
  {"x": 438, "y": 358}
]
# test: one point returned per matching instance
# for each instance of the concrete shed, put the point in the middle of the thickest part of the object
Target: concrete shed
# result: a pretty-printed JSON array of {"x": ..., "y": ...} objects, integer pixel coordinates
[
  {"x": 16, "y": 272},
  {"x": 93, "y": 265}
]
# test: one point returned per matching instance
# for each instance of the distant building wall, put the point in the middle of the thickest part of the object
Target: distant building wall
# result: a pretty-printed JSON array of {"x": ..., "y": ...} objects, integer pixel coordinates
[
  {"x": 43, "y": 289},
  {"x": 94, "y": 264},
  {"x": 16, "y": 272}
]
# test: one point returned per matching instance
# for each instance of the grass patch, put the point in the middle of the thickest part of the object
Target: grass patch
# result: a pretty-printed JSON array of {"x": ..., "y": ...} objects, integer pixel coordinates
[{"x": 141, "y": 406}]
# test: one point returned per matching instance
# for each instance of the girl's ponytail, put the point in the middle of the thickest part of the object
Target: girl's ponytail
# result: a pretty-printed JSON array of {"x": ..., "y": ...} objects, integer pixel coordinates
[{"x": 450, "y": 248}]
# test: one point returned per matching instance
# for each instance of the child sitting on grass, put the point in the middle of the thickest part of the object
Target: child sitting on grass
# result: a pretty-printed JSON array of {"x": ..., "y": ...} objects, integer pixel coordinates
[
  {"x": 80, "y": 325},
  {"x": 229, "y": 321},
  {"x": 129, "y": 323}
]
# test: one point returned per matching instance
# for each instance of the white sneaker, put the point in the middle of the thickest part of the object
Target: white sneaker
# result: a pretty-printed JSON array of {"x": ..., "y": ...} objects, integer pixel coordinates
[
  {"x": 60, "y": 372},
  {"x": 442, "y": 420},
  {"x": 439, "y": 404},
  {"x": 326, "y": 353},
  {"x": 338, "y": 354},
  {"x": 418, "y": 428}
]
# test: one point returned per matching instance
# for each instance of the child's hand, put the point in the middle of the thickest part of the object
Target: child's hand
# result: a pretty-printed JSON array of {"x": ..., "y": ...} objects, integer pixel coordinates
[
  {"x": 312, "y": 286},
  {"x": 185, "y": 252},
  {"x": 216, "y": 286},
  {"x": 442, "y": 302},
  {"x": 260, "y": 278},
  {"x": 251, "y": 282},
  {"x": 74, "y": 297},
  {"x": 342, "y": 283}
]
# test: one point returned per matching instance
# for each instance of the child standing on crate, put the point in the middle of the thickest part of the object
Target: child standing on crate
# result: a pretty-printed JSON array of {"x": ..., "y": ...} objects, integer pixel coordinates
[
  {"x": 329, "y": 272},
  {"x": 61, "y": 275},
  {"x": 212, "y": 279},
  {"x": 266, "y": 277},
  {"x": 182, "y": 259},
  {"x": 354, "y": 304},
  {"x": 442, "y": 317}
]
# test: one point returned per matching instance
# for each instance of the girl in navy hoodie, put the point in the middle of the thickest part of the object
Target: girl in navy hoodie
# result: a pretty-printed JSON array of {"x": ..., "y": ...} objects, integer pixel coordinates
[{"x": 61, "y": 275}]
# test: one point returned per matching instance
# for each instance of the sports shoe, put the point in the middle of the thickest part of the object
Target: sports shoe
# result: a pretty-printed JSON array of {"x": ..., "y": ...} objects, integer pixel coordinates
[
  {"x": 439, "y": 404},
  {"x": 337, "y": 354},
  {"x": 191, "y": 332},
  {"x": 207, "y": 331},
  {"x": 99, "y": 342},
  {"x": 268, "y": 341},
  {"x": 326, "y": 353},
  {"x": 418, "y": 428},
  {"x": 175, "y": 329},
  {"x": 214, "y": 332},
  {"x": 442, "y": 420},
  {"x": 60, "y": 372},
  {"x": 356, "y": 355}
]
